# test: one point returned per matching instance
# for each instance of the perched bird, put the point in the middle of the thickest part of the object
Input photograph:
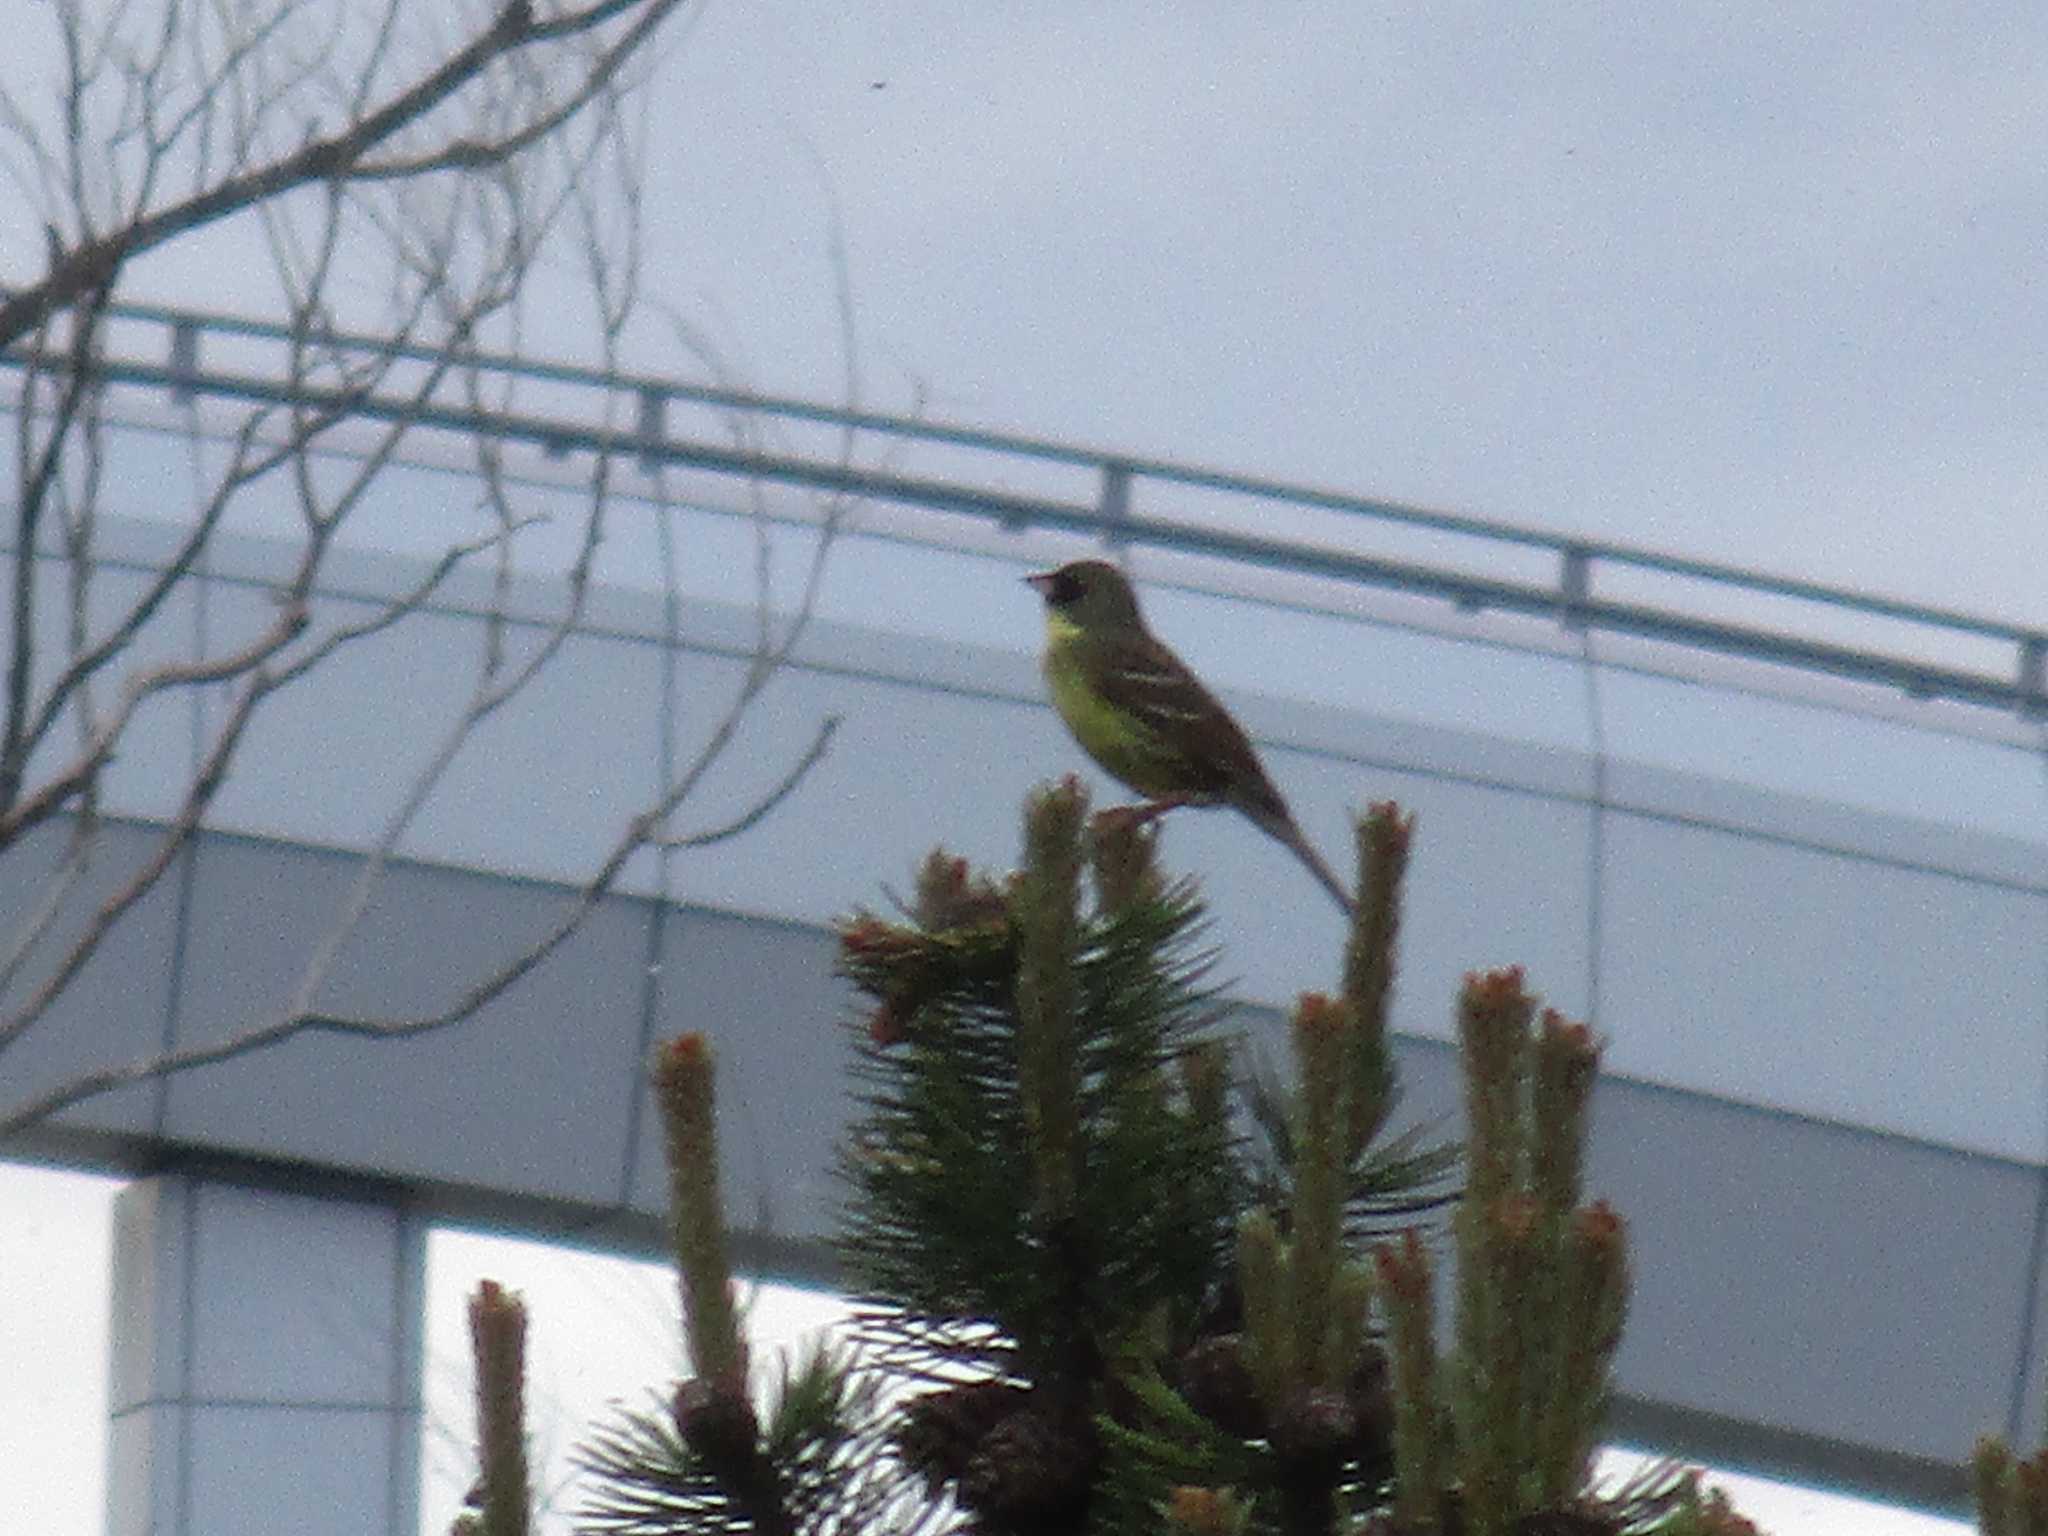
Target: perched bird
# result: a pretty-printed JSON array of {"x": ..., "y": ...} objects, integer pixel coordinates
[{"x": 1144, "y": 717}]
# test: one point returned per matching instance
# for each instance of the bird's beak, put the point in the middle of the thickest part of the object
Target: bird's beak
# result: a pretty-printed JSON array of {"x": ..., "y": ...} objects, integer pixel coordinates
[{"x": 1040, "y": 583}]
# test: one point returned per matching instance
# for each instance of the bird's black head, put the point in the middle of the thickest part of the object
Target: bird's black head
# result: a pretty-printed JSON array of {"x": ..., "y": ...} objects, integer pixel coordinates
[{"x": 1087, "y": 589}]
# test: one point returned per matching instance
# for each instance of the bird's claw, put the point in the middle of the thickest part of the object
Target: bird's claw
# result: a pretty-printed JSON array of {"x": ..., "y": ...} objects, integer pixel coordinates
[
  {"x": 1129, "y": 818},
  {"x": 1117, "y": 818}
]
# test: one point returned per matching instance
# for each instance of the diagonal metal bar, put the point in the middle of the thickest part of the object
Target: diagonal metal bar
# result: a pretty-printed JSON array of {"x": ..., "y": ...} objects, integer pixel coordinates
[{"x": 2017, "y": 687}]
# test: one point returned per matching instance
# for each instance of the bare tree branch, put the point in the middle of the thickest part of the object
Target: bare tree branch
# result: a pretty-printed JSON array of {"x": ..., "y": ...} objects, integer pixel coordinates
[
  {"x": 204, "y": 786},
  {"x": 36, "y": 482},
  {"x": 87, "y": 659},
  {"x": 92, "y": 263},
  {"x": 509, "y": 145},
  {"x": 752, "y": 817},
  {"x": 640, "y": 833}
]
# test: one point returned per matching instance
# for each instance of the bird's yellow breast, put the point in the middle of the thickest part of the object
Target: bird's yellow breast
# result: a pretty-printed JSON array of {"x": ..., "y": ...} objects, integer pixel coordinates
[{"x": 1119, "y": 743}]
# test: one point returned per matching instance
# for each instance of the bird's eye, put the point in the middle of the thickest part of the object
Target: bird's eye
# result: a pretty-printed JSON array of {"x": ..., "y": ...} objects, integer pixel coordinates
[{"x": 1066, "y": 588}]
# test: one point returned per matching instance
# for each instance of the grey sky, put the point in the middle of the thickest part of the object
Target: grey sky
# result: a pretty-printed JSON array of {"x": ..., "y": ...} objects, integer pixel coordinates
[{"x": 1747, "y": 279}]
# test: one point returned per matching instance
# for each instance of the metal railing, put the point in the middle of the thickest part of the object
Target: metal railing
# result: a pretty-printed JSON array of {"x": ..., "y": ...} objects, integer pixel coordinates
[{"x": 1571, "y": 597}]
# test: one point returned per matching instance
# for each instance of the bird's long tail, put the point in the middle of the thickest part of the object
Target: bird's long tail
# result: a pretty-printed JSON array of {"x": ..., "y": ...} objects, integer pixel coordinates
[{"x": 1286, "y": 833}]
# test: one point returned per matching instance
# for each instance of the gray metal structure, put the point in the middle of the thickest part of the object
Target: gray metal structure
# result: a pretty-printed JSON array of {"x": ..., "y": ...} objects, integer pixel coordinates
[{"x": 1787, "y": 846}]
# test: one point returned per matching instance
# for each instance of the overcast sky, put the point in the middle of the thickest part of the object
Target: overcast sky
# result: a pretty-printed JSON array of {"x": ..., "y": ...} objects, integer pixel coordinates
[{"x": 1746, "y": 279}]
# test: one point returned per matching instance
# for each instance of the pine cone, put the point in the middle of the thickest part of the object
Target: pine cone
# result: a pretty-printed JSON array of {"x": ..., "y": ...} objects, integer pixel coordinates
[
  {"x": 719, "y": 1426},
  {"x": 1372, "y": 1403},
  {"x": 1218, "y": 1385},
  {"x": 1314, "y": 1433},
  {"x": 1030, "y": 1472},
  {"x": 940, "y": 1430}
]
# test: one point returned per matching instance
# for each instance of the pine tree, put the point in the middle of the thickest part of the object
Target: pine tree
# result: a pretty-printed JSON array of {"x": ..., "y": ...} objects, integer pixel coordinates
[{"x": 1110, "y": 1279}]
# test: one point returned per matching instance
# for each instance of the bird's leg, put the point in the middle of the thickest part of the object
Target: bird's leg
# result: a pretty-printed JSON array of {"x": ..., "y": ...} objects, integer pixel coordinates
[
  {"x": 1152, "y": 810},
  {"x": 1132, "y": 817}
]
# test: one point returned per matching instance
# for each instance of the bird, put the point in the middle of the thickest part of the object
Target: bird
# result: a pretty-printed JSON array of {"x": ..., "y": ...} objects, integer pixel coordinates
[{"x": 1145, "y": 719}]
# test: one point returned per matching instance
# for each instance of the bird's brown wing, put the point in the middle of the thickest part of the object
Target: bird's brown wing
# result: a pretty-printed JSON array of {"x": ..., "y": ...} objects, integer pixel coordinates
[
  {"x": 1210, "y": 756},
  {"x": 1143, "y": 679}
]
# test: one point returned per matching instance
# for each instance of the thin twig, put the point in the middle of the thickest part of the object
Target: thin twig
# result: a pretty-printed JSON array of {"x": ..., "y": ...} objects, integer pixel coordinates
[
  {"x": 751, "y": 817},
  {"x": 339, "y": 156},
  {"x": 458, "y": 263}
]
